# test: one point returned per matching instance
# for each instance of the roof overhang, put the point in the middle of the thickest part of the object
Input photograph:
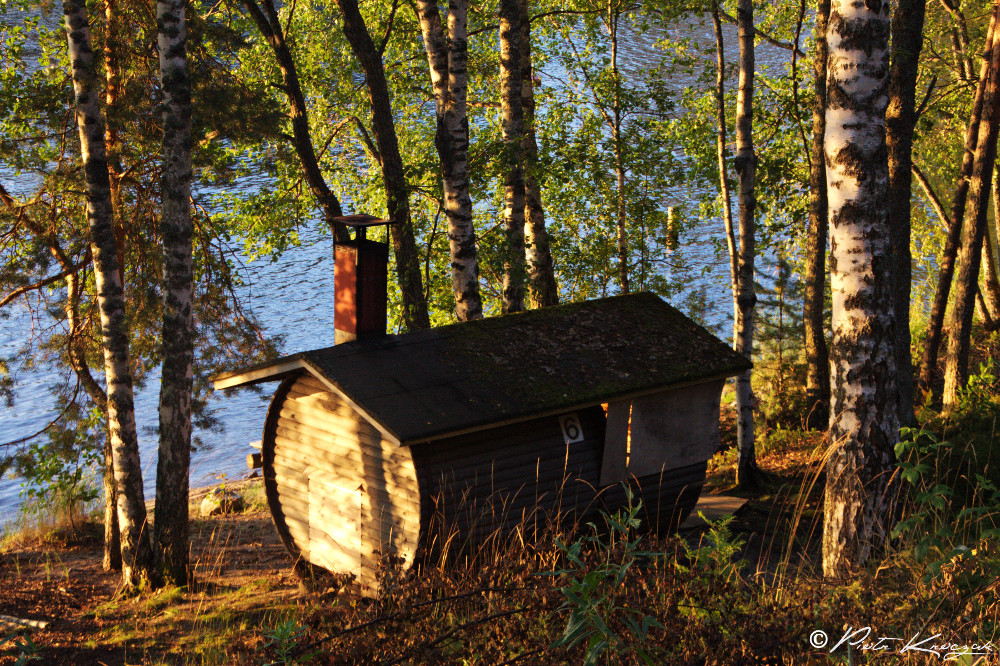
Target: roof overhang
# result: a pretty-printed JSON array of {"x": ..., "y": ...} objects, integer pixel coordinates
[
  {"x": 257, "y": 375},
  {"x": 287, "y": 368}
]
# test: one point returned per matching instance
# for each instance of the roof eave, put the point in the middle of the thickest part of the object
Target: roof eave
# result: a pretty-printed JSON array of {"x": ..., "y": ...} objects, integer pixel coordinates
[
  {"x": 423, "y": 439},
  {"x": 269, "y": 373},
  {"x": 291, "y": 366}
]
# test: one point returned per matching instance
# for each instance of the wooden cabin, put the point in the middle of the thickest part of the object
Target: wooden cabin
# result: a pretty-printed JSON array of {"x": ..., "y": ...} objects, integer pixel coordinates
[
  {"x": 395, "y": 443},
  {"x": 459, "y": 435}
]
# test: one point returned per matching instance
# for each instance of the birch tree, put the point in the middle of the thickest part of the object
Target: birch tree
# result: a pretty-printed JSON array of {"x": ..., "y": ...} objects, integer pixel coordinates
[
  {"x": 864, "y": 423},
  {"x": 746, "y": 299},
  {"x": 171, "y": 512},
  {"x": 447, "y": 59},
  {"x": 512, "y": 126},
  {"x": 537, "y": 254},
  {"x": 137, "y": 563},
  {"x": 817, "y": 354},
  {"x": 112, "y": 63}
]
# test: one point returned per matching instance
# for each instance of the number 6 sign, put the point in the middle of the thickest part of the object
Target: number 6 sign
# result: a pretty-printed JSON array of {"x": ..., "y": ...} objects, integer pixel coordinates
[{"x": 571, "y": 429}]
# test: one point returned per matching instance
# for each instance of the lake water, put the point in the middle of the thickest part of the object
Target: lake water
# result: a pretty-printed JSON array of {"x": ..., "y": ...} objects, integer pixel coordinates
[{"x": 292, "y": 297}]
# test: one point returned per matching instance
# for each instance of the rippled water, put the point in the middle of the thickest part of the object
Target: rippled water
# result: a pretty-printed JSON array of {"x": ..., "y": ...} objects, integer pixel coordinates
[
  {"x": 277, "y": 297},
  {"x": 292, "y": 297}
]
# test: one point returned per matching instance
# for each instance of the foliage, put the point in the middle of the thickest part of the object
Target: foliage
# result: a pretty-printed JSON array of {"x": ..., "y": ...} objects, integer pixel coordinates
[
  {"x": 592, "y": 592},
  {"x": 284, "y": 640},
  {"x": 44, "y": 231},
  {"x": 940, "y": 524}
]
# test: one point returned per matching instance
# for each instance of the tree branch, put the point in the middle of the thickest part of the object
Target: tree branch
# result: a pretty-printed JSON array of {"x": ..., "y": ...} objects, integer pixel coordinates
[
  {"x": 788, "y": 46},
  {"x": 47, "y": 281}
]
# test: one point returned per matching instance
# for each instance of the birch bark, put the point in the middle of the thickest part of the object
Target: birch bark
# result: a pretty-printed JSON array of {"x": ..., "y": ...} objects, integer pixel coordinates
[
  {"x": 447, "y": 58},
  {"x": 512, "y": 126},
  {"x": 970, "y": 253},
  {"x": 171, "y": 513},
  {"x": 537, "y": 254},
  {"x": 864, "y": 423},
  {"x": 404, "y": 246},
  {"x": 112, "y": 560},
  {"x": 746, "y": 166},
  {"x": 817, "y": 354},
  {"x": 137, "y": 563}
]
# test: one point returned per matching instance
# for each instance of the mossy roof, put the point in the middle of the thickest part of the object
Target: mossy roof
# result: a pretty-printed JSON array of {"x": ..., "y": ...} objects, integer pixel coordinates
[{"x": 469, "y": 376}]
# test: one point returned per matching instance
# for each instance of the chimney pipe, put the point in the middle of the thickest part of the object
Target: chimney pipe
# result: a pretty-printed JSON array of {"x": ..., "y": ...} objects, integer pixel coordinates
[{"x": 360, "y": 283}]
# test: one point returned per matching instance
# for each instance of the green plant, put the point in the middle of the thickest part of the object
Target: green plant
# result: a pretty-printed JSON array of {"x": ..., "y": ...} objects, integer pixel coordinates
[
  {"x": 25, "y": 646},
  {"x": 936, "y": 531},
  {"x": 57, "y": 483},
  {"x": 285, "y": 641},
  {"x": 716, "y": 554},
  {"x": 595, "y": 576}
]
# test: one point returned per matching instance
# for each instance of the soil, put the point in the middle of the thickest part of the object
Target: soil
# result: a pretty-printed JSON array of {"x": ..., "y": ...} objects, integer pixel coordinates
[{"x": 59, "y": 580}]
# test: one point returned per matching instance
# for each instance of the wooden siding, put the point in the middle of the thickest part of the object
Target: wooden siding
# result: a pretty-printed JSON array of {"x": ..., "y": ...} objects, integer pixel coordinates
[
  {"x": 508, "y": 482},
  {"x": 340, "y": 495}
]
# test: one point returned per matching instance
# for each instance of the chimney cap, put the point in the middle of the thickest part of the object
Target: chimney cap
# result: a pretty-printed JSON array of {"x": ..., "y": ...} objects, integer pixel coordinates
[{"x": 361, "y": 221}]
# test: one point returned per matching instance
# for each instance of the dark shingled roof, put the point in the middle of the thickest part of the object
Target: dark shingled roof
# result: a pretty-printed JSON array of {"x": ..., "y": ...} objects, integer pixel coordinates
[{"x": 468, "y": 376}]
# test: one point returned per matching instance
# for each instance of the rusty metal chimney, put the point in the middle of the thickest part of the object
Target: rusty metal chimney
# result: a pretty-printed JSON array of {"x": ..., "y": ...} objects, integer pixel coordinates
[{"x": 360, "y": 283}]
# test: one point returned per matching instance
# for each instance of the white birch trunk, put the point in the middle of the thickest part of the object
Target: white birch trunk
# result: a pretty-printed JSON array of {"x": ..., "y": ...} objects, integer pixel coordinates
[
  {"x": 135, "y": 545},
  {"x": 512, "y": 129},
  {"x": 537, "y": 255},
  {"x": 171, "y": 520},
  {"x": 864, "y": 425},
  {"x": 447, "y": 60},
  {"x": 746, "y": 299}
]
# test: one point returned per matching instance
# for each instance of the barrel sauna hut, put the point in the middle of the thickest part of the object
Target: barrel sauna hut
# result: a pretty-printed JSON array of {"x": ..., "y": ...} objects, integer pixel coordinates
[{"x": 461, "y": 433}]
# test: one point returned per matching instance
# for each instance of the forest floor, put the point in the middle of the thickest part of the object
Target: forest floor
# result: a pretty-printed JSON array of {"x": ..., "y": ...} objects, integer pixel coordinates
[{"x": 249, "y": 607}]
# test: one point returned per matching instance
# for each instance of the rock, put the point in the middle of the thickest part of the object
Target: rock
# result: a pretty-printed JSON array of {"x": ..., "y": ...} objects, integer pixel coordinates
[{"x": 220, "y": 502}]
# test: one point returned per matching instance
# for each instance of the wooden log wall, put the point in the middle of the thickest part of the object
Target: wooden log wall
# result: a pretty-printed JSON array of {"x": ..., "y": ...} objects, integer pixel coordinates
[
  {"x": 341, "y": 496},
  {"x": 480, "y": 490}
]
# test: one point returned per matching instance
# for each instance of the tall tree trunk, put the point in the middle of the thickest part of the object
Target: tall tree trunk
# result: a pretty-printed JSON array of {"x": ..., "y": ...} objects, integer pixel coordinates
[
  {"x": 746, "y": 166},
  {"x": 512, "y": 125},
  {"x": 960, "y": 324},
  {"x": 864, "y": 422},
  {"x": 137, "y": 561},
  {"x": 113, "y": 47},
  {"x": 537, "y": 254},
  {"x": 447, "y": 56},
  {"x": 935, "y": 325},
  {"x": 265, "y": 16},
  {"x": 393, "y": 178},
  {"x": 613, "y": 18},
  {"x": 900, "y": 120},
  {"x": 817, "y": 356},
  {"x": 171, "y": 513},
  {"x": 112, "y": 557},
  {"x": 720, "y": 145}
]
